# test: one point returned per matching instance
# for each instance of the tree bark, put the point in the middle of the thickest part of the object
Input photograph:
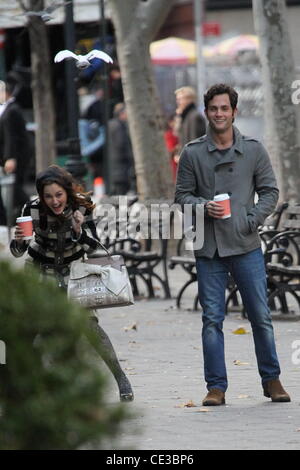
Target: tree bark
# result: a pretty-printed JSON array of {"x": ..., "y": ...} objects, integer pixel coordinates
[
  {"x": 43, "y": 107},
  {"x": 280, "y": 113},
  {"x": 136, "y": 24}
]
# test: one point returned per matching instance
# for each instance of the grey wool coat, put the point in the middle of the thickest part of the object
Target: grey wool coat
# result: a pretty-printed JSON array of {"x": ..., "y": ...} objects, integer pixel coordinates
[{"x": 244, "y": 170}]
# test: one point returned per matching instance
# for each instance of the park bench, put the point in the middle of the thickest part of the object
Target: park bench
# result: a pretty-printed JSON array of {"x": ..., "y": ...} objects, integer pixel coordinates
[
  {"x": 145, "y": 258},
  {"x": 282, "y": 257},
  {"x": 185, "y": 259},
  {"x": 281, "y": 248}
]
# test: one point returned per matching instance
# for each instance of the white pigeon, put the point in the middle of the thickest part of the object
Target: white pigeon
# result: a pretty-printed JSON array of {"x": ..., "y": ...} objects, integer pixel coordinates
[{"x": 83, "y": 61}]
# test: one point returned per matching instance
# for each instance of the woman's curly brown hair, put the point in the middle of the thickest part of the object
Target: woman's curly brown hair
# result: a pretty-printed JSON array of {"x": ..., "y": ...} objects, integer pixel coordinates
[{"x": 75, "y": 192}]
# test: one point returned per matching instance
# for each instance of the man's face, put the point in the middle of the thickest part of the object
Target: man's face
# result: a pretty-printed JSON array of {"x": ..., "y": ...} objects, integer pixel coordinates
[{"x": 220, "y": 114}]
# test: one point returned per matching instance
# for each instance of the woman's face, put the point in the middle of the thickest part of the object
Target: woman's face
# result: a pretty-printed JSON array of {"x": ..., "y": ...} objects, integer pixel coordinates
[{"x": 55, "y": 197}]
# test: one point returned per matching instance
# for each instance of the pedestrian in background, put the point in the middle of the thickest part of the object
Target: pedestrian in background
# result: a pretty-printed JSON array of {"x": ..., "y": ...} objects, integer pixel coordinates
[
  {"x": 14, "y": 148},
  {"x": 116, "y": 94},
  {"x": 190, "y": 124},
  {"x": 224, "y": 161},
  {"x": 121, "y": 162},
  {"x": 92, "y": 132},
  {"x": 172, "y": 143},
  {"x": 64, "y": 231}
]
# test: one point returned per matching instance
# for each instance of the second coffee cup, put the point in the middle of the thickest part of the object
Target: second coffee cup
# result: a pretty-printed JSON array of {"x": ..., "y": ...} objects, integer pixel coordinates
[
  {"x": 224, "y": 200},
  {"x": 26, "y": 224}
]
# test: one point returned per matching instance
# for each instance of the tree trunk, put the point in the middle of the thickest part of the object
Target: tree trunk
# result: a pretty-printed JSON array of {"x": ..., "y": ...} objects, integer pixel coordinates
[
  {"x": 43, "y": 107},
  {"x": 136, "y": 24},
  {"x": 278, "y": 75}
]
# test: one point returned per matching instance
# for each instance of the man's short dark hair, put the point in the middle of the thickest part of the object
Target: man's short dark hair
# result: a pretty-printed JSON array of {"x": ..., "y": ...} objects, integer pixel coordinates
[{"x": 221, "y": 89}]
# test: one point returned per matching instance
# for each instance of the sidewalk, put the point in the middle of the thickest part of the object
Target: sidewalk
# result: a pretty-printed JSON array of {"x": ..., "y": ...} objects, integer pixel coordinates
[
  {"x": 160, "y": 350},
  {"x": 163, "y": 359}
]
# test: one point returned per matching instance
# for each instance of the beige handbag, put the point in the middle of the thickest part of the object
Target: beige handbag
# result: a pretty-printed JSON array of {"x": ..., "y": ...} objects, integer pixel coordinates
[{"x": 100, "y": 283}]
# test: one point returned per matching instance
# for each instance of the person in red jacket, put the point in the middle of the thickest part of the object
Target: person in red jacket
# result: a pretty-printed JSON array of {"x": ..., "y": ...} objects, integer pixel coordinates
[{"x": 172, "y": 142}]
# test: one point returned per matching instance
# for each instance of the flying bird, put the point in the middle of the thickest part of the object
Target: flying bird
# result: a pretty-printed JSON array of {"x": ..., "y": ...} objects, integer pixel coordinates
[{"x": 83, "y": 61}]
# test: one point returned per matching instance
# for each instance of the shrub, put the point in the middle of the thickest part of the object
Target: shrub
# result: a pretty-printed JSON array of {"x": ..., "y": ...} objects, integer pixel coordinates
[{"x": 51, "y": 389}]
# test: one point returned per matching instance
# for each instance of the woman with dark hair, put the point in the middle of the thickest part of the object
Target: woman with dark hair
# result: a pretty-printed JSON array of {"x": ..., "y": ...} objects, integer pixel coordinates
[{"x": 64, "y": 231}]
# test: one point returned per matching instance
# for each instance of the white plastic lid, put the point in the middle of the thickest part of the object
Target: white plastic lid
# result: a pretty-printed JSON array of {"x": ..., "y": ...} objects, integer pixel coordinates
[
  {"x": 24, "y": 219},
  {"x": 221, "y": 197}
]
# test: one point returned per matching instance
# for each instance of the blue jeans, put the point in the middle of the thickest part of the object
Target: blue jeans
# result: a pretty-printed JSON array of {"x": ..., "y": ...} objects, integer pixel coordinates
[{"x": 248, "y": 271}]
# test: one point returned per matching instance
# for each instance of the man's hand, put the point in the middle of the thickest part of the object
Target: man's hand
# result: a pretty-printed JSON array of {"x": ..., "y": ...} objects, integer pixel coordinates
[
  {"x": 10, "y": 165},
  {"x": 214, "y": 209}
]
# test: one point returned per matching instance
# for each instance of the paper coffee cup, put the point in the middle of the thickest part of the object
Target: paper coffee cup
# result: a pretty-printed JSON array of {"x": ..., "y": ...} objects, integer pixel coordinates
[
  {"x": 224, "y": 200},
  {"x": 26, "y": 224}
]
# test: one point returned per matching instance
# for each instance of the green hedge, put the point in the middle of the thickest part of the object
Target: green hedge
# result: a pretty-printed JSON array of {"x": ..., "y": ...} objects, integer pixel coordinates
[{"x": 51, "y": 387}]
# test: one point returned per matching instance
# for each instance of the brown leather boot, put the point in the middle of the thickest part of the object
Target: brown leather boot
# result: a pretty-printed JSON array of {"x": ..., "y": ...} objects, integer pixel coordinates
[
  {"x": 274, "y": 390},
  {"x": 214, "y": 397}
]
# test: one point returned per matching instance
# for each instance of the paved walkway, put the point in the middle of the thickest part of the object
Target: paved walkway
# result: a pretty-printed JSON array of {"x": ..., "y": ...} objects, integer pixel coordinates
[{"x": 160, "y": 350}]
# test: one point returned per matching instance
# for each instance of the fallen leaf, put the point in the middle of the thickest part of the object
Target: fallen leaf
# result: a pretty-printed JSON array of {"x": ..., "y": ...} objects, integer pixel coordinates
[
  {"x": 240, "y": 331},
  {"x": 243, "y": 396},
  {"x": 203, "y": 410},
  {"x": 129, "y": 368},
  {"x": 189, "y": 404},
  {"x": 240, "y": 363},
  {"x": 132, "y": 327}
]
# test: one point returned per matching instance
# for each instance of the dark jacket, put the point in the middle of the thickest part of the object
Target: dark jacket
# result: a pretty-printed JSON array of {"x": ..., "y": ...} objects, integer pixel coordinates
[
  {"x": 121, "y": 157},
  {"x": 53, "y": 242},
  {"x": 243, "y": 172},
  {"x": 192, "y": 125},
  {"x": 14, "y": 141}
]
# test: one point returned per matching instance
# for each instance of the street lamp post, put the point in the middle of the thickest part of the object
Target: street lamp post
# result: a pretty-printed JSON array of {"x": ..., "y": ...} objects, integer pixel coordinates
[
  {"x": 74, "y": 164},
  {"x": 198, "y": 15},
  {"x": 107, "y": 168}
]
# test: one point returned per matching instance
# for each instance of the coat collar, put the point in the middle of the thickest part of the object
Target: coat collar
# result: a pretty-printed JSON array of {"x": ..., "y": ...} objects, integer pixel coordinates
[
  {"x": 186, "y": 111},
  {"x": 238, "y": 141}
]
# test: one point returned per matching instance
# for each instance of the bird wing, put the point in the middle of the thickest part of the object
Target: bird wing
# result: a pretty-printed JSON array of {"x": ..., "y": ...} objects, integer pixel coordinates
[
  {"x": 65, "y": 54},
  {"x": 95, "y": 53}
]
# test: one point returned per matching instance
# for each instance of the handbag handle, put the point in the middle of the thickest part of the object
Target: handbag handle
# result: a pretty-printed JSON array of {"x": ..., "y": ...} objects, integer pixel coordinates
[{"x": 104, "y": 248}]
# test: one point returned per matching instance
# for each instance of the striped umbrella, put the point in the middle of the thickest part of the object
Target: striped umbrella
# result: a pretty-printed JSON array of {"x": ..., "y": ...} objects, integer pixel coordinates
[
  {"x": 175, "y": 51},
  {"x": 236, "y": 44}
]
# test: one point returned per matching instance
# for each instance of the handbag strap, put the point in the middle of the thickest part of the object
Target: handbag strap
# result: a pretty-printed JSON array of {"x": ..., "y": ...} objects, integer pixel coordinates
[{"x": 104, "y": 248}]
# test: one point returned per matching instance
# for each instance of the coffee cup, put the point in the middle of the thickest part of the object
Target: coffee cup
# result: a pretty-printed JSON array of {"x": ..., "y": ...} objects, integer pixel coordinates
[
  {"x": 26, "y": 224},
  {"x": 224, "y": 201}
]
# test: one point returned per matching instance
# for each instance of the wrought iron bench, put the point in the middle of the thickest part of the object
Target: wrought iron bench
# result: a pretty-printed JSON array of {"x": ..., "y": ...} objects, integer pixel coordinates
[{"x": 145, "y": 259}]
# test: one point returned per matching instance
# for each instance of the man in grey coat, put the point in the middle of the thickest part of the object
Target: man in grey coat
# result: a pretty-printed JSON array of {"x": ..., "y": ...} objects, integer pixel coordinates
[{"x": 224, "y": 161}]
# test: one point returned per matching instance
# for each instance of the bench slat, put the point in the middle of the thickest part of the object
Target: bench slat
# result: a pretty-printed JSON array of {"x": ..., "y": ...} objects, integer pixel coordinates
[{"x": 292, "y": 224}]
